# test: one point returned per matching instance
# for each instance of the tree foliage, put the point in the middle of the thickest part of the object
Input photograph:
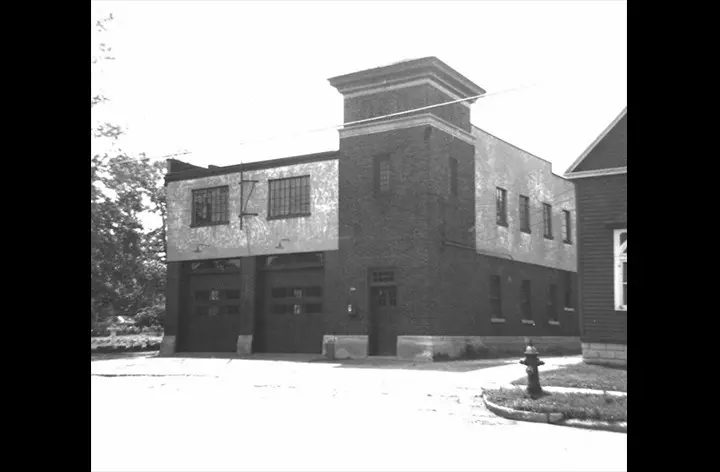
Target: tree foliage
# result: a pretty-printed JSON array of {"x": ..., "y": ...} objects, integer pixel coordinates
[{"x": 127, "y": 263}]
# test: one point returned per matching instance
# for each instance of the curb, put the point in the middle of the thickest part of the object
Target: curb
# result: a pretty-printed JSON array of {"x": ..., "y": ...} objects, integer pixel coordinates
[{"x": 553, "y": 418}]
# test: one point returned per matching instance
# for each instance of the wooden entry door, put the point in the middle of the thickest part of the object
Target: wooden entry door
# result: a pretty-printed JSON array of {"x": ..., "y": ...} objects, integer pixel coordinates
[{"x": 383, "y": 321}]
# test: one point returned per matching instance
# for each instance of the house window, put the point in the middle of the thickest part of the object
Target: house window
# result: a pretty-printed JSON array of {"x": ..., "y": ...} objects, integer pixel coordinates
[
  {"x": 567, "y": 228},
  {"x": 501, "y": 206},
  {"x": 210, "y": 206},
  {"x": 524, "y": 214},
  {"x": 620, "y": 244},
  {"x": 382, "y": 174},
  {"x": 547, "y": 221},
  {"x": 386, "y": 296},
  {"x": 551, "y": 312},
  {"x": 453, "y": 176},
  {"x": 568, "y": 289},
  {"x": 525, "y": 300},
  {"x": 495, "y": 297},
  {"x": 289, "y": 197}
]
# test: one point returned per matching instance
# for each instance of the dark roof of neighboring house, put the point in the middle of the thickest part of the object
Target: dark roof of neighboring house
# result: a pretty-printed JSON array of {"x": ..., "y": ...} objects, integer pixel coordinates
[
  {"x": 178, "y": 170},
  {"x": 607, "y": 151}
]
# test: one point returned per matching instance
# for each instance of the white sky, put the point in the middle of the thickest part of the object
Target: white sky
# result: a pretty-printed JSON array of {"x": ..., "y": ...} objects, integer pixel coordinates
[{"x": 208, "y": 76}]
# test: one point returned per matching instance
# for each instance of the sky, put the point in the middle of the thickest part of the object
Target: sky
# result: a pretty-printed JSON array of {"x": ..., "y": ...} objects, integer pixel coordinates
[{"x": 242, "y": 81}]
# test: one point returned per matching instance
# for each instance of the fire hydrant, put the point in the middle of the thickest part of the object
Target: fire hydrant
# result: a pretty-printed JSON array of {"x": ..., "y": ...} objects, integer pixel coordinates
[{"x": 532, "y": 363}]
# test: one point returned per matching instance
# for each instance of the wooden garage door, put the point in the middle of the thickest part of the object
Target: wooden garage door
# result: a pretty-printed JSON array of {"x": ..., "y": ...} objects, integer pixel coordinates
[
  {"x": 213, "y": 318},
  {"x": 293, "y": 320}
]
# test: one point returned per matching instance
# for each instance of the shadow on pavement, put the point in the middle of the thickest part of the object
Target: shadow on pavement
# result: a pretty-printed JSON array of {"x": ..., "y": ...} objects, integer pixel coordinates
[{"x": 122, "y": 355}]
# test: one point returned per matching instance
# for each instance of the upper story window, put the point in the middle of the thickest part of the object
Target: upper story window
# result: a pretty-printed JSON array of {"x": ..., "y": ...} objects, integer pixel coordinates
[
  {"x": 453, "y": 176},
  {"x": 210, "y": 206},
  {"x": 547, "y": 221},
  {"x": 524, "y": 214},
  {"x": 501, "y": 206},
  {"x": 567, "y": 227},
  {"x": 289, "y": 197},
  {"x": 382, "y": 174},
  {"x": 620, "y": 249}
]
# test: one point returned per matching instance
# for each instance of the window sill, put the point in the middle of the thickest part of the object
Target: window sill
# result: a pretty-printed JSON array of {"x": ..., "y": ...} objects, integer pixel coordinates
[
  {"x": 621, "y": 308},
  {"x": 287, "y": 217},
  {"x": 525, "y": 231},
  {"x": 497, "y": 320},
  {"x": 549, "y": 238},
  {"x": 569, "y": 243},
  {"x": 503, "y": 225},
  {"x": 569, "y": 309},
  {"x": 203, "y": 225},
  {"x": 528, "y": 322},
  {"x": 554, "y": 323}
]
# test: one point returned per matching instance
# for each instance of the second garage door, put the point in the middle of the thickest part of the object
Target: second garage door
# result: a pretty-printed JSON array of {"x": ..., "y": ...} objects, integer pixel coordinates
[{"x": 292, "y": 319}]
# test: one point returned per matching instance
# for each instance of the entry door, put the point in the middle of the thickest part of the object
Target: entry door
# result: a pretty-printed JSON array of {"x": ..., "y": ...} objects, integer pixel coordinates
[{"x": 383, "y": 321}]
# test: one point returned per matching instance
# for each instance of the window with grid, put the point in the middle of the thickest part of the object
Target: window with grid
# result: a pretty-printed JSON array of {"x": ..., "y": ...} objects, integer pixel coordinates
[
  {"x": 501, "y": 206},
  {"x": 382, "y": 174},
  {"x": 568, "y": 290},
  {"x": 525, "y": 300},
  {"x": 210, "y": 206},
  {"x": 620, "y": 240},
  {"x": 567, "y": 228},
  {"x": 547, "y": 221},
  {"x": 453, "y": 176},
  {"x": 551, "y": 310},
  {"x": 495, "y": 297},
  {"x": 289, "y": 197},
  {"x": 524, "y": 214}
]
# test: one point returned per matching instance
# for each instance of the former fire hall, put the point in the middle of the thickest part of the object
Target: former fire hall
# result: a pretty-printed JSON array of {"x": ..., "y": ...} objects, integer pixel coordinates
[{"x": 421, "y": 235}]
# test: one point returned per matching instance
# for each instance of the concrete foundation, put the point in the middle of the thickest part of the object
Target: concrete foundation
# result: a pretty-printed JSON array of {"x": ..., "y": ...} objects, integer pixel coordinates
[
  {"x": 244, "y": 344},
  {"x": 345, "y": 347},
  {"x": 428, "y": 348},
  {"x": 167, "y": 346},
  {"x": 605, "y": 354}
]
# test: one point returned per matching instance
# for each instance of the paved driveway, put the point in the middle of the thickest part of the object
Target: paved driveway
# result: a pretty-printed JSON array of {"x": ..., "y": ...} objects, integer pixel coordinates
[{"x": 229, "y": 414}]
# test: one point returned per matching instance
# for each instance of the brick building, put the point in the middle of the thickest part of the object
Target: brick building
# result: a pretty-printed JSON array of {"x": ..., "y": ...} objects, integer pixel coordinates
[
  {"x": 600, "y": 176},
  {"x": 421, "y": 236}
]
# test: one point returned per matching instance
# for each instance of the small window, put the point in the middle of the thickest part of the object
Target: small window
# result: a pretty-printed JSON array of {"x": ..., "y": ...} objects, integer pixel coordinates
[
  {"x": 297, "y": 293},
  {"x": 501, "y": 206},
  {"x": 526, "y": 300},
  {"x": 568, "y": 290},
  {"x": 453, "y": 176},
  {"x": 567, "y": 227},
  {"x": 495, "y": 297},
  {"x": 382, "y": 174},
  {"x": 289, "y": 197},
  {"x": 552, "y": 313},
  {"x": 297, "y": 309},
  {"x": 524, "y": 214},
  {"x": 547, "y": 221},
  {"x": 386, "y": 296},
  {"x": 210, "y": 206},
  {"x": 383, "y": 276},
  {"x": 620, "y": 249}
]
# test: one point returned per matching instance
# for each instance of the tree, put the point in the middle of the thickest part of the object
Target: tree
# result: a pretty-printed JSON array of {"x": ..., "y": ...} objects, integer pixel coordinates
[{"x": 126, "y": 260}]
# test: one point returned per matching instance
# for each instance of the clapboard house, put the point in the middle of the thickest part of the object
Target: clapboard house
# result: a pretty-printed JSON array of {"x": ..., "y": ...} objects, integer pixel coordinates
[{"x": 600, "y": 177}]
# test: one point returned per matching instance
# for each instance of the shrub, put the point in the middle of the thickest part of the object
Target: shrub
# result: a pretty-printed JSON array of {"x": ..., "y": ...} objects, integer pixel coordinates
[{"x": 151, "y": 316}]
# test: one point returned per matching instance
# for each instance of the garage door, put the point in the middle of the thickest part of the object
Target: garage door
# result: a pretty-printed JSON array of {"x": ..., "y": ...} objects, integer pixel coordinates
[
  {"x": 293, "y": 320},
  {"x": 212, "y": 320}
]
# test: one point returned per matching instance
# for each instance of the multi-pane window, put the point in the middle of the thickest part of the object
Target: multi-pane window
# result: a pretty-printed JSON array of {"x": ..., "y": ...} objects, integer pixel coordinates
[
  {"x": 568, "y": 289},
  {"x": 289, "y": 197},
  {"x": 297, "y": 300},
  {"x": 567, "y": 227},
  {"x": 547, "y": 221},
  {"x": 525, "y": 301},
  {"x": 551, "y": 308},
  {"x": 495, "y": 297},
  {"x": 501, "y": 206},
  {"x": 386, "y": 296},
  {"x": 382, "y": 174},
  {"x": 620, "y": 244},
  {"x": 453, "y": 176},
  {"x": 210, "y": 206},
  {"x": 524, "y": 214}
]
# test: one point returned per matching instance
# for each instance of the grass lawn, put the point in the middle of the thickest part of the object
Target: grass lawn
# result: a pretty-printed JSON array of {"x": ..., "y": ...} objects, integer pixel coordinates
[
  {"x": 131, "y": 342},
  {"x": 573, "y": 405},
  {"x": 583, "y": 375}
]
